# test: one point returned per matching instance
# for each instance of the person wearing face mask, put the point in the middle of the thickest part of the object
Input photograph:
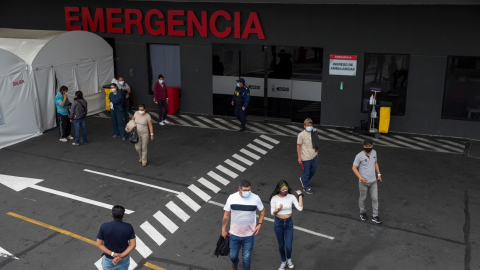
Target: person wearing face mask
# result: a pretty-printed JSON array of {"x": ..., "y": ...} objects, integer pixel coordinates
[
  {"x": 307, "y": 152},
  {"x": 116, "y": 112},
  {"x": 364, "y": 167},
  {"x": 160, "y": 96},
  {"x": 240, "y": 99},
  {"x": 64, "y": 125},
  {"x": 242, "y": 206},
  {"x": 144, "y": 127},
  {"x": 124, "y": 88},
  {"x": 282, "y": 201}
]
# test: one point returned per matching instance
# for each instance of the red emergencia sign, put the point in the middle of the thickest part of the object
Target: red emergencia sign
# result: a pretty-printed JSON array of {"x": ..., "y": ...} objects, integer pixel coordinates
[{"x": 343, "y": 57}]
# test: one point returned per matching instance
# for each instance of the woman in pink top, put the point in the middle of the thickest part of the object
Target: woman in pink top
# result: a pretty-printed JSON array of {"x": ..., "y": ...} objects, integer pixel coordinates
[
  {"x": 282, "y": 201},
  {"x": 160, "y": 96}
]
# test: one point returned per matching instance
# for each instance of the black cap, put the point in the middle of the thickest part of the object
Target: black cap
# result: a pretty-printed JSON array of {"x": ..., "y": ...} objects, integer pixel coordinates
[{"x": 367, "y": 141}]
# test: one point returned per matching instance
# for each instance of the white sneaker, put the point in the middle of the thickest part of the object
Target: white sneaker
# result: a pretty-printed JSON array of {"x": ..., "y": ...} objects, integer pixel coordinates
[
  {"x": 166, "y": 122},
  {"x": 70, "y": 137},
  {"x": 161, "y": 123},
  {"x": 290, "y": 263},
  {"x": 282, "y": 266},
  {"x": 63, "y": 140}
]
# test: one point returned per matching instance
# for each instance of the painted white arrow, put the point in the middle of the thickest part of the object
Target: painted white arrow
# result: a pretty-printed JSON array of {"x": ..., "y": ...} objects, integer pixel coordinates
[
  {"x": 6, "y": 254},
  {"x": 21, "y": 183}
]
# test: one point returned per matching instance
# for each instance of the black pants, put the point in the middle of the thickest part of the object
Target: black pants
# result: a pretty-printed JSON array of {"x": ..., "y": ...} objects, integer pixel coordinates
[
  {"x": 64, "y": 126},
  {"x": 240, "y": 114},
  {"x": 162, "y": 104}
]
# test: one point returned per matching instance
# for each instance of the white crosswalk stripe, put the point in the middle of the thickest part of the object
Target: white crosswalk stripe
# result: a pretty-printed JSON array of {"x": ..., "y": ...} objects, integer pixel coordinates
[
  {"x": 212, "y": 123},
  {"x": 200, "y": 193},
  {"x": 242, "y": 159},
  {"x": 420, "y": 143},
  {"x": 196, "y": 122},
  {"x": 189, "y": 202},
  {"x": 227, "y": 171},
  {"x": 218, "y": 178},
  {"x": 250, "y": 154},
  {"x": 456, "y": 150},
  {"x": 282, "y": 129},
  {"x": 226, "y": 123},
  {"x": 142, "y": 248},
  {"x": 209, "y": 185},
  {"x": 400, "y": 142},
  {"x": 268, "y": 129},
  {"x": 349, "y": 136},
  {"x": 177, "y": 211},
  {"x": 453, "y": 143},
  {"x": 250, "y": 127},
  {"x": 269, "y": 139},
  {"x": 264, "y": 144},
  {"x": 179, "y": 120},
  {"x": 153, "y": 233},
  {"x": 235, "y": 165},
  {"x": 166, "y": 222},
  {"x": 261, "y": 151}
]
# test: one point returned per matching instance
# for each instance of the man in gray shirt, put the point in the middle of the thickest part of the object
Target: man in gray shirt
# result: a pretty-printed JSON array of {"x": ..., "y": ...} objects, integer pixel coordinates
[{"x": 364, "y": 167}]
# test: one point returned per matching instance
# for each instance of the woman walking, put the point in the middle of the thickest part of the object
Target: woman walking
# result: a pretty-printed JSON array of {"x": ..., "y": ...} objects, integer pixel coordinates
[
  {"x": 281, "y": 203},
  {"x": 144, "y": 125},
  {"x": 78, "y": 112}
]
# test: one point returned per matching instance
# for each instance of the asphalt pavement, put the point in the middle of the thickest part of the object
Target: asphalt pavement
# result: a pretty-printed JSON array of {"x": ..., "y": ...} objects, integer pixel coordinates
[{"x": 429, "y": 202}]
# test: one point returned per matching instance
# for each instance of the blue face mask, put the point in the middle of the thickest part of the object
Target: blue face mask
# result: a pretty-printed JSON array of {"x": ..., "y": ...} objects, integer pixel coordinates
[
  {"x": 309, "y": 129},
  {"x": 238, "y": 85},
  {"x": 246, "y": 194}
]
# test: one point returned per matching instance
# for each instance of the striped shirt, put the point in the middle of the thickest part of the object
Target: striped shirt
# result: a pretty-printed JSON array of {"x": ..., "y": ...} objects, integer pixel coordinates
[{"x": 243, "y": 213}]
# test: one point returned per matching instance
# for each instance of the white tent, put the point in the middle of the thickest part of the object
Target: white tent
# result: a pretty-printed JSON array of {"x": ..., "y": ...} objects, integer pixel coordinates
[{"x": 79, "y": 60}]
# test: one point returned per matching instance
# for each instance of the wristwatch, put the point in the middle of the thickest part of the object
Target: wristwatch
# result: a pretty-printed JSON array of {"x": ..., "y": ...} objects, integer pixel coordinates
[{"x": 112, "y": 253}]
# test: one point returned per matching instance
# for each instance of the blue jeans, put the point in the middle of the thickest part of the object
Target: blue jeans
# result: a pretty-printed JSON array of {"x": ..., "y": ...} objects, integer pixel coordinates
[
  {"x": 80, "y": 124},
  {"x": 284, "y": 231},
  {"x": 246, "y": 243},
  {"x": 162, "y": 114},
  {"x": 117, "y": 122},
  {"x": 107, "y": 264},
  {"x": 310, "y": 166}
]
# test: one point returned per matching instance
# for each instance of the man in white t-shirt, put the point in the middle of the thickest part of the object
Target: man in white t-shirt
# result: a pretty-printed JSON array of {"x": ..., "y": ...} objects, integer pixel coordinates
[{"x": 242, "y": 206}]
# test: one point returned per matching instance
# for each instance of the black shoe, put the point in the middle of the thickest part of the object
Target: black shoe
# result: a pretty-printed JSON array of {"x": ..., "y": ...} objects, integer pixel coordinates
[
  {"x": 242, "y": 128},
  {"x": 363, "y": 216},
  {"x": 376, "y": 219},
  {"x": 309, "y": 191}
]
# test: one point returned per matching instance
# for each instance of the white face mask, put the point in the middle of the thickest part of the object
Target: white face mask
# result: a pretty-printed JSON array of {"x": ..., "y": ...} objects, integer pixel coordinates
[
  {"x": 141, "y": 112},
  {"x": 160, "y": 81},
  {"x": 114, "y": 89},
  {"x": 121, "y": 83}
]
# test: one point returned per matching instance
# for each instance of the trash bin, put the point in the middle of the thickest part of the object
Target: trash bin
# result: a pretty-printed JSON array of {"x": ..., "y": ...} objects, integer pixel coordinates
[
  {"x": 173, "y": 99},
  {"x": 107, "y": 90},
  {"x": 384, "y": 121}
]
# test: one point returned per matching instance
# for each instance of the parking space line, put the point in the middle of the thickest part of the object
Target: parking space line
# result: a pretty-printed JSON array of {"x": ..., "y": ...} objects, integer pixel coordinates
[
  {"x": 166, "y": 222},
  {"x": 142, "y": 248},
  {"x": 250, "y": 154},
  {"x": 295, "y": 227},
  {"x": 264, "y": 144},
  {"x": 209, "y": 185},
  {"x": 227, "y": 171},
  {"x": 235, "y": 165},
  {"x": 189, "y": 202},
  {"x": 282, "y": 129},
  {"x": 218, "y": 178},
  {"x": 242, "y": 159},
  {"x": 132, "y": 181},
  {"x": 261, "y": 151},
  {"x": 180, "y": 121},
  {"x": 269, "y": 139},
  {"x": 453, "y": 143},
  {"x": 212, "y": 123},
  {"x": 153, "y": 233},
  {"x": 177, "y": 211},
  {"x": 200, "y": 193},
  {"x": 196, "y": 122},
  {"x": 53, "y": 228},
  {"x": 153, "y": 266},
  {"x": 6, "y": 254}
]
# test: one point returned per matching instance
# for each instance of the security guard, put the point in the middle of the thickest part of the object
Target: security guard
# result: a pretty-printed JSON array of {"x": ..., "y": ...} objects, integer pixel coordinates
[{"x": 241, "y": 98}]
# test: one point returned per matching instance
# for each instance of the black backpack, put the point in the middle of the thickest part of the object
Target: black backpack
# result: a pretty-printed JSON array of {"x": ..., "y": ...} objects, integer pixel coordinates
[{"x": 223, "y": 248}]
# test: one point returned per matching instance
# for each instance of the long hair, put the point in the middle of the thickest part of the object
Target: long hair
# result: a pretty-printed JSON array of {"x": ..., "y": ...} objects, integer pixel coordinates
[
  {"x": 279, "y": 186},
  {"x": 79, "y": 95}
]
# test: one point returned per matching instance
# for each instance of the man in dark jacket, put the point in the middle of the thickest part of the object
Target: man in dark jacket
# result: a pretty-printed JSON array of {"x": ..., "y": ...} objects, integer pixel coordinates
[
  {"x": 160, "y": 96},
  {"x": 78, "y": 113},
  {"x": 116, "y": 112},
  {"x": 241, "y": 98}
]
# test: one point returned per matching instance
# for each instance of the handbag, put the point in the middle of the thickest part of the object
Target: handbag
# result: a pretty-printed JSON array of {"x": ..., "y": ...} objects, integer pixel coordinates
[{"x": 133, "y": 136}]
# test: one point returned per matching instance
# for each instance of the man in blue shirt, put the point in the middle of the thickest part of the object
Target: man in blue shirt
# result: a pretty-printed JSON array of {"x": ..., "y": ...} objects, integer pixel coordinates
[
  {"x": 241, "y": 98},
  {"x": 116, "y": 239},
  {"x": 116, "y": 112},
  {"x": 62, "y": 103}
]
